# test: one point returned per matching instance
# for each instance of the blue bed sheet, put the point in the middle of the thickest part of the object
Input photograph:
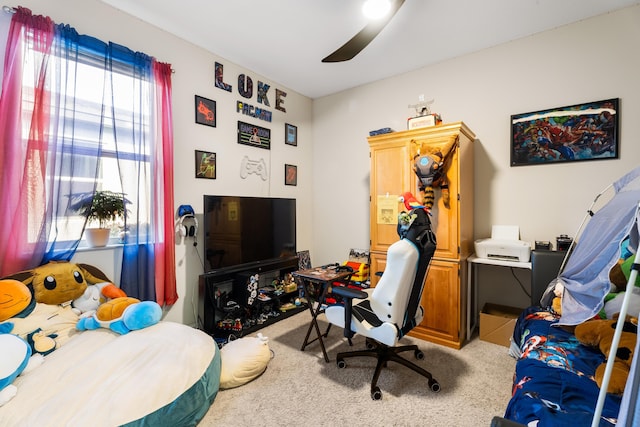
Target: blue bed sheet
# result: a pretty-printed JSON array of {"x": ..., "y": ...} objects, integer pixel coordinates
[{"x": 553, "y": 383}]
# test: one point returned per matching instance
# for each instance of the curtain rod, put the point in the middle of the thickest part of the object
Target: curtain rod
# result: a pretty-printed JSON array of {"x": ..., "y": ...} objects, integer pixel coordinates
[{"x": 9, "y": 9}]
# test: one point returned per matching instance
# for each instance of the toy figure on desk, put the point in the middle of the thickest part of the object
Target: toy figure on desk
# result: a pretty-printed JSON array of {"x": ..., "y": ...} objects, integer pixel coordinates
[{"x": 289, "y": 284}]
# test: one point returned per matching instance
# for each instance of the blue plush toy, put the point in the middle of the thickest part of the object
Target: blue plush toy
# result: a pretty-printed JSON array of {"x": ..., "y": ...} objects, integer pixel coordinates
[
  {"x": 123, "y": 315},
  {"x": 15, "y": 359}
]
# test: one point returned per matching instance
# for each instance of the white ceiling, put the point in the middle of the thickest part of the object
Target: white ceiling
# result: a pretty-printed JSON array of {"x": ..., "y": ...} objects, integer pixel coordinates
[{"x": 285, "y": 40}]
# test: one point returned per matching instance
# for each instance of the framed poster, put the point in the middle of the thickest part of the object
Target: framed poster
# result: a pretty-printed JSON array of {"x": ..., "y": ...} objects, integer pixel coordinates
[
  {"x": 304, "y": 260},
  {"x": 290, "y": 175},
  {"x": 205, "y": 164},
  {"x": 254, "y": 136},
  {"x": 291, "y": 134},
  {"x": 205, "y": 111},
  {"x": 586, "y": 131}
]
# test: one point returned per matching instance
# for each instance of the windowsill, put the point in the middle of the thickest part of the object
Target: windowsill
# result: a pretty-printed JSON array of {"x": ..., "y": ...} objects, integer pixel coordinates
[{"x": 109, "y": 247}]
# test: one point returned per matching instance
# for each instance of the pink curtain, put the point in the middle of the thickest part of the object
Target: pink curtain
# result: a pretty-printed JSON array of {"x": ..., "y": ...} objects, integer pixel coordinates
[
  {"x": 22, "y": 167},
  {"x": 37, "y": 171},
  {"x": 165, "y": 246}
]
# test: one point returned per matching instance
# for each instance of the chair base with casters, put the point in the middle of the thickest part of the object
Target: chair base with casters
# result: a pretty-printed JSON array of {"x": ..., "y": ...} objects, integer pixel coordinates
[
  {"x": 392, "y": 308},
  {"x": 384, "y": 353}
]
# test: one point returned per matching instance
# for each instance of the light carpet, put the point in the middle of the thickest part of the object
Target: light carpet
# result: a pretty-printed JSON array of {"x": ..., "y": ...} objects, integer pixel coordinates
[{"x": 300, "y": 388}]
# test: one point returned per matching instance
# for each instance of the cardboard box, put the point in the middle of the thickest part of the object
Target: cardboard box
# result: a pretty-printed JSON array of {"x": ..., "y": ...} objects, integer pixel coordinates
[
  {"x": 421, "y": 122},
  {"x": 497, "y": 323}
]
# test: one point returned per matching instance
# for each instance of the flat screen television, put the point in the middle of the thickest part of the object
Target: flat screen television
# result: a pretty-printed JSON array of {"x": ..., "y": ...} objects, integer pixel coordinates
[{"x": 243, "y": 230}]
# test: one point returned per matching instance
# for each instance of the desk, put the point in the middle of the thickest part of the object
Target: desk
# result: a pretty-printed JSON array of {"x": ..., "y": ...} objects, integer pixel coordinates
[
  {"x": 472, "y": 283},
  {"x": 324, "y": 278}
]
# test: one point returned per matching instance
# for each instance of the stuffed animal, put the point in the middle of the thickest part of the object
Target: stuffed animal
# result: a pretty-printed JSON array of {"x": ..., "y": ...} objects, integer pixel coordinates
[
  {"x": 15, "y": 359},
  {"x": 612, "y": 306},
  {"x": 48, "y": 322},
  {"x": 45, "y": 327},
  {"x": 104, "y": 305},
  {"x": 430, "y": 164},
  {"x": 122, "y": 315},
  {"x": 556, "y": 303},
  {"x": 16, "y": 297},
  {"x": 620, "y": 272},
  {"x": 94, "y": 296},
  {"x": 56, "y": 285},
  {"x": 59, "y": 282},
  {"x": 619, "y": 276},
  {"x": 626, "y": 267},
  {"x": 16, "y": 355},
  {"x": 599, "y": 333}
]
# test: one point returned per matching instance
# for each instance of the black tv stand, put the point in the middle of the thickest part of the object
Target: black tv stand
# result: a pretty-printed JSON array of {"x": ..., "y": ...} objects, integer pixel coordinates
[{"x": 226, "y": 306}]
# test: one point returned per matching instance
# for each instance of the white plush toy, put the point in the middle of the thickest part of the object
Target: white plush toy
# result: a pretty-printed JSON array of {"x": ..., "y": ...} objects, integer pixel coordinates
[
  {"x": 94, "y": 296},
  {"x": 614, "y": 305},
  {"x": 243, "y": 360},
  {"x": 15, "y": 359}
]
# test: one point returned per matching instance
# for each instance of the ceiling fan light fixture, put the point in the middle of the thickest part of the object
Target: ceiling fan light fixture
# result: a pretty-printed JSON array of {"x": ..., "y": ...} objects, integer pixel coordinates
[
  {"x": 358, "y": 42},
  {"x": 376, "y": 9}
]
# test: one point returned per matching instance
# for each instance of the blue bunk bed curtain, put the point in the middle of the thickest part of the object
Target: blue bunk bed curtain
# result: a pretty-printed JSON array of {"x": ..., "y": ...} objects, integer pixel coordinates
[
  {"x": 553, "y": 382},
  {"x": 586, "y": 274}
]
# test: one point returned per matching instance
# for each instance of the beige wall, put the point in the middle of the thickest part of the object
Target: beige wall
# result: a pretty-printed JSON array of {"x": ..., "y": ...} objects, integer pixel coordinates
[
  {"x": 590, "y": 60},
  {"x": 194, "y": 74}
]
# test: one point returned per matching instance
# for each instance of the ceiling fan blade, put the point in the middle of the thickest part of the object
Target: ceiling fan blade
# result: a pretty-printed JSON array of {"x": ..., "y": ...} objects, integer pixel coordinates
[{"x": 358, "y": 42}]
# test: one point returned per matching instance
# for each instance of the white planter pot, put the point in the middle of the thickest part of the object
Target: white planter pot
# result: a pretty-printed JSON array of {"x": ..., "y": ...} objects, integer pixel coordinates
[{"x": 97, "y": 237}]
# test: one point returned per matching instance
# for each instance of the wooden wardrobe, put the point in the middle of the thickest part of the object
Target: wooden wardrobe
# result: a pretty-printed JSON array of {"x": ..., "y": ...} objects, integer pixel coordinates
[{"x": 392, "y": 158}]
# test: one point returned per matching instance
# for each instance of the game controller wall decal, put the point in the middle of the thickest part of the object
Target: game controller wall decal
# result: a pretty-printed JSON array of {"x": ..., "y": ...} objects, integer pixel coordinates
[{"x": 258, "y": 167}]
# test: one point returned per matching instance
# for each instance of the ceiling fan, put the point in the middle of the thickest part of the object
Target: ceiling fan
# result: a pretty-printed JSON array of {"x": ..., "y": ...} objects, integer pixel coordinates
[{"x": 358, "y": 42}]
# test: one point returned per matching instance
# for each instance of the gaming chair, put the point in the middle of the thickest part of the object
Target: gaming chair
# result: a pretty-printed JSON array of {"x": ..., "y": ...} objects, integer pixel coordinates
[{"x": 386, "y": 313}]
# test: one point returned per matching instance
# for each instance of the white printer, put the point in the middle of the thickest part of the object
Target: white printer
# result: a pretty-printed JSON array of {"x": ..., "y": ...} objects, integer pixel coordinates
[{"x": 504, "y": 244}]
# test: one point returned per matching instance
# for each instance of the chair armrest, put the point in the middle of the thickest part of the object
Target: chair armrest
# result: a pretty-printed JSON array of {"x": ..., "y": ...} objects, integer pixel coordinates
[{"x": 349, "y": 293}]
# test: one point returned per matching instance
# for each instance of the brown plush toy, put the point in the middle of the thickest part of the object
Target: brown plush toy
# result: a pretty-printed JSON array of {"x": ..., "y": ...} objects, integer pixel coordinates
[
  {"x": 617, "y": 277},
  {"x": 556, "y": 303},
  {"x": 59, "y": 282},
  {"x": 47, "y": 321},
  {"x": 599, "y": 333}
]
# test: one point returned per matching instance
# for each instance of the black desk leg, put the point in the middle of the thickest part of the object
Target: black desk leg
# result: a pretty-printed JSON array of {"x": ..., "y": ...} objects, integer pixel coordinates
[{"x": 314, "y": 324}]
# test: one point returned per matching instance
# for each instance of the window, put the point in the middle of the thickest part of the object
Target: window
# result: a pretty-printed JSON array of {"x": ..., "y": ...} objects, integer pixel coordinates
[
  {"x": 79, "y": 114},
  {"x": 99, "y": 119}
]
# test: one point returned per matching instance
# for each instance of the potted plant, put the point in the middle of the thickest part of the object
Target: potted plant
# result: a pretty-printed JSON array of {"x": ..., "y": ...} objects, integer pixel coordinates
[{"x": 102, "y": 207}]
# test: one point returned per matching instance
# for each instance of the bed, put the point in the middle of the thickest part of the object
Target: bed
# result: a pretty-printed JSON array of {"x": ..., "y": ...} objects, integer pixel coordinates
[
  {"x": 166, "y": 374},
  {"x": 553, "y": 383}
]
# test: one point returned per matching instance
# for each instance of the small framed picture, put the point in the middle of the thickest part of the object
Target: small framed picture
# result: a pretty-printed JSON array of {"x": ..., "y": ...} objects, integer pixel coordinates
[
  {"x": 254, "y": 136},
  {"x": 205, "y": 164},
  {"x": 290, "y": 134},
  {"x": 290, "y": 175},
  {"x": 205, "y": 111}
]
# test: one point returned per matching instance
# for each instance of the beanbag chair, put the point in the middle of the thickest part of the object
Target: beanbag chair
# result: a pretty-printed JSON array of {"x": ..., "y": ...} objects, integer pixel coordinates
[{"x": 243, "y": 360}]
